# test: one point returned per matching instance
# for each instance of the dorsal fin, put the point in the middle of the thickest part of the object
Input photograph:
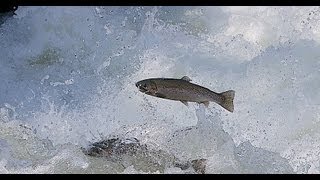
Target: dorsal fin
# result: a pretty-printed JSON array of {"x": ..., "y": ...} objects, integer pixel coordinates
[{"x": 186, "y": 78}]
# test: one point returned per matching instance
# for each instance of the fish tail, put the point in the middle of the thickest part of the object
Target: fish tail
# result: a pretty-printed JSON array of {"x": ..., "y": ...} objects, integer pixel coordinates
[{"x": 227, "y": 102}]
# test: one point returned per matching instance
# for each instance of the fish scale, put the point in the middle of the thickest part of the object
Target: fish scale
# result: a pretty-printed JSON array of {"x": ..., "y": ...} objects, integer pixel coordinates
[{"x": 185, "y": 91}]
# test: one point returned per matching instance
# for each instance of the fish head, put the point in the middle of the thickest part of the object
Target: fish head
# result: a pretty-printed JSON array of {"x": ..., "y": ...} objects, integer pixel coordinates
[{"x": 146, "y": 86}]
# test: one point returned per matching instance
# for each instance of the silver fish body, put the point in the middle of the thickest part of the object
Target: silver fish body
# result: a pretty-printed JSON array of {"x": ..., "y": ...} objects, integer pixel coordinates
[{"x": 185, "y": 91}]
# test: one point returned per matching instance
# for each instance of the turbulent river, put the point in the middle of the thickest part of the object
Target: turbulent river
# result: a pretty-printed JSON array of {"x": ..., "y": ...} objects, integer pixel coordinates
[{"x": 67, "y": 80}]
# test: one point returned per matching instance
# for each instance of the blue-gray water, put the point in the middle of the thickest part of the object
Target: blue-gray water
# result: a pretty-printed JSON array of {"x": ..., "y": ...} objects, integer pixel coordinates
[{"x": 67, "y": 79}]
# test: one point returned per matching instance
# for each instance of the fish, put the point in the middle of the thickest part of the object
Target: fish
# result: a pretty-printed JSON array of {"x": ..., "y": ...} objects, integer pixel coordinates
[{"x": 185, "y": 91}]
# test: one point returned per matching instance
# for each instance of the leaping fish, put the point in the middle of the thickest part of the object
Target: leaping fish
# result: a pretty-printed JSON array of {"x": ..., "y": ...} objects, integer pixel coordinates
[{"x": 185, "y": 91}]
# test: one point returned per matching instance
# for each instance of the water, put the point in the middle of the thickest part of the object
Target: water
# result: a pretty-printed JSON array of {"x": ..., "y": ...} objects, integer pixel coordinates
[{"x": 68, "y": 73}]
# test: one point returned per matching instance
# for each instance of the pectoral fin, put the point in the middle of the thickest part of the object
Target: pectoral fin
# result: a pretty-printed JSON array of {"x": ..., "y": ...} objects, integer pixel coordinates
[
  {"x": 186, "y": 78},
  {"x": 185, "y": 102},
  {"x": 206, "y": 103}
]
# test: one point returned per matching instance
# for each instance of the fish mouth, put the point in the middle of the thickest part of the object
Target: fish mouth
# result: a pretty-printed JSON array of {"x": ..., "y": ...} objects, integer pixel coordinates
[{"x": 141, "y": 88}]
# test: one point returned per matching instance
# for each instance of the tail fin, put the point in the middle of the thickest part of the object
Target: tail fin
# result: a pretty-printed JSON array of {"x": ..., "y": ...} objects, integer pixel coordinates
[{"x": 228, "y": 100}]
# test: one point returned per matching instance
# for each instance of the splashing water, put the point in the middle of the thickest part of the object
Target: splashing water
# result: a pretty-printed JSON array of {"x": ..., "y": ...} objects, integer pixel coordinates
[{"x": 68, "y": 73}]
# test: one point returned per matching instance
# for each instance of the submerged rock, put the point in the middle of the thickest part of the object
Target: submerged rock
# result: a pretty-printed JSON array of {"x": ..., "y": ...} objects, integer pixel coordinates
[{"x": 130, "y": 152}]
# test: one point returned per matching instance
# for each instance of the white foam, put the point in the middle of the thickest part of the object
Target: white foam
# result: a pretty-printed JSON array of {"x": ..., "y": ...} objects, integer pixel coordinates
[{"x": 68, "y": 75}]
